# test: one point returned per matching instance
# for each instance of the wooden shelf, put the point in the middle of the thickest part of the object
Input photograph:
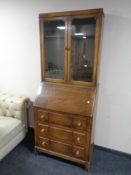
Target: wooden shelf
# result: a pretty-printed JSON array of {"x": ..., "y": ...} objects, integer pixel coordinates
[{"x": 62, "y": 37}]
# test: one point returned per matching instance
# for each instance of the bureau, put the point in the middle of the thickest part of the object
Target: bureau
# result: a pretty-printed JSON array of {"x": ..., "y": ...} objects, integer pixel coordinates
[
  {"x": 62, "y": 134},
  {"x": 65, "y": 101},
  {"x": 65, "y": 133}
]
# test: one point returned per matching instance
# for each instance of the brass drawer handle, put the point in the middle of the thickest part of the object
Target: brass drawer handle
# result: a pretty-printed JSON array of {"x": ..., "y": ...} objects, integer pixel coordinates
[
  {"x": 43, "y": 143},
  {"x": 77, "y": 153},
  {"x": 42, "y": 116},
  {"x": 79, "y": 123},
  {"x": 42, "y": 130},
  {"x": 78, "y": 139}
]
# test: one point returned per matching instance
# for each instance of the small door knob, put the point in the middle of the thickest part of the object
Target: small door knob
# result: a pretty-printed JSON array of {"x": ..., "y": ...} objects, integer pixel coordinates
[{"x": 88, "y": 102}]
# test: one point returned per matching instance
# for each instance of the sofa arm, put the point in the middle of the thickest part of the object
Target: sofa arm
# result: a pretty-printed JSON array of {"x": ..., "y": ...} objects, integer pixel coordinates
[{"x": 14, "y": 106}]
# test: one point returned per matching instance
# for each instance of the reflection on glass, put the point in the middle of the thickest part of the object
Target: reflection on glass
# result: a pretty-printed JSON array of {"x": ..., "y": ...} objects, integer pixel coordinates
[
  {"x": 82, "y": 51},
  {"x": 54, "y": 33}
]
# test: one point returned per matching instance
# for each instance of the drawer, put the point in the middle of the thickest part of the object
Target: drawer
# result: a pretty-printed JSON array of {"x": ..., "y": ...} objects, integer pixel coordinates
[
  {"x": 43, "y": 130},
  {"x": 61, "y": 135},
  {"x": 42, "y": 116},
  {"x": 79, "y": 139},
  {"x": 43, "y": 143},
  {"x": 61, "y": 148},
  {"x": 79, "y": 123},
  {"x": 60, "y": 119},
  {"x": 79, "y": 153}
]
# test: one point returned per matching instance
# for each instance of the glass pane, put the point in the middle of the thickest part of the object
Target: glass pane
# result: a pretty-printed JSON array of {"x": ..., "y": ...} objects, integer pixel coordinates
[
  {"x": 54, "y": 34},
  {"x": 82, "y": 51}
]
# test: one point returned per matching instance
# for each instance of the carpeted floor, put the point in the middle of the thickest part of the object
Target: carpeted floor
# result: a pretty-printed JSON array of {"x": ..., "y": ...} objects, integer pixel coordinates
[{"x": 22, "y": 161}]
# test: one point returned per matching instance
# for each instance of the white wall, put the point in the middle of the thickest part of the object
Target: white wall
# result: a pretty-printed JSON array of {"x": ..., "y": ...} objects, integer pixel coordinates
[{"x": 20, "y": 60}]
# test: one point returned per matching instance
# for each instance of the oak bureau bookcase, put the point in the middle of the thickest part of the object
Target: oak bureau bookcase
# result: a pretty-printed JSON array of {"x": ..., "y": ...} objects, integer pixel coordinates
[{"x": 64, "y": 106}]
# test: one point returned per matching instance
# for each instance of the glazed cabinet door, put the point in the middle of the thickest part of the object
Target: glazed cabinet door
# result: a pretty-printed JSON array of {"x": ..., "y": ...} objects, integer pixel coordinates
[
  {"x": 53, "y": 49},
  {"x": 83, "y": 41}
]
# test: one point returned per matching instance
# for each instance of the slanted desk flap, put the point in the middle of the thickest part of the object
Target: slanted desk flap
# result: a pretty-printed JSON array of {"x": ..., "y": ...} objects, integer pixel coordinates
[{"x": 66, "y": 98}]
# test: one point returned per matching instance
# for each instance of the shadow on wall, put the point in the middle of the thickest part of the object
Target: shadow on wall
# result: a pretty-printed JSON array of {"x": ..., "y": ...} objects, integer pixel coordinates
[{"x": 31, "y": 116}]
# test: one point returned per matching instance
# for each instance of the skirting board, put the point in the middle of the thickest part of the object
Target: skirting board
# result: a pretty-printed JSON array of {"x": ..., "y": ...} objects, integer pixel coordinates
[{"x": 119, "y": 153}]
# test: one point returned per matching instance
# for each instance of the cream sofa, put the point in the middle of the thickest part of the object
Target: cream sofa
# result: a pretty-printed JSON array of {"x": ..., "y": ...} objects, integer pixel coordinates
[{"x": 13, "y": 121}]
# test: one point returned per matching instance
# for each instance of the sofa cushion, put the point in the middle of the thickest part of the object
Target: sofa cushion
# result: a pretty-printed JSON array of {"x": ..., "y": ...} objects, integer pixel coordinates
[
  {"x": 9, "y": 128},
  {"x": 14, "y": 106}
]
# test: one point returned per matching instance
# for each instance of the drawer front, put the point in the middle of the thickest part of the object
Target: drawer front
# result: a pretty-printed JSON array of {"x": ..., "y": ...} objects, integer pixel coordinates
[
  {"x": 60, "y": 148},
  {"x": 80, "y": 124},
  {"x": 60, "y": 119},
  {"x": 42, "y": 116},
  {"x": 61, "y": 135},
  {"x": 43, "y": 130},
  {"x": 79, "y": 139},
  {"x": 43, "y": 143},
  {"x": 79, "y": 153}
]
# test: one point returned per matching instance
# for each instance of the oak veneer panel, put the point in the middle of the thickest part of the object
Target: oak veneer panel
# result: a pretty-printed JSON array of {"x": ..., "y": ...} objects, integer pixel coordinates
[
  {"x": 61, "y": 148},
  {"x": 60, "y": 119},
  {"x": 62, "y": 135},
  {"x": 66, "y": 98}
]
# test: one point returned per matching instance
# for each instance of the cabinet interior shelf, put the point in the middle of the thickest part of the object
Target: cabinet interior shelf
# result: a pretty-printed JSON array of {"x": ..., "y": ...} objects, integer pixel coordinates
[
  {"x": 74, "y": 37},
  {"x": 55, "y": 37}
]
